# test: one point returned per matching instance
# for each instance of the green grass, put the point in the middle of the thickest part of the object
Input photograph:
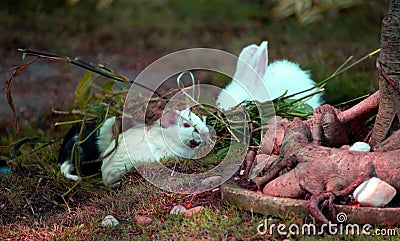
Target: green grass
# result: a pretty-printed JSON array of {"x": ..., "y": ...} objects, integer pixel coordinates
[{"x": 37, "y": 202}]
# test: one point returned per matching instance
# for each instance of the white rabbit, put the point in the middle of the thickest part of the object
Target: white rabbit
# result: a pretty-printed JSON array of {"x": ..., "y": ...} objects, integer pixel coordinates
[
  {"x": 175, "y": 134},
  {"x": 254, "y": 74}
]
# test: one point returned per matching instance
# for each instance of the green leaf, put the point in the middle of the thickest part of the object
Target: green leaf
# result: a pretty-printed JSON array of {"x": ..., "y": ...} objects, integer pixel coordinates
[
  {"x": 83, "y": 84},
  {"x": 299, "y": 107},
  {"x": 83, "y": 101},
  {"x": 103, "y": 3},
  {"x": 82, "y": 90},
  {"x": 284, "y": 9},
  {"x": 310, "y": 16},
  {"x": 15, "y": 150},
  {"x": 107, "y": 86},
  {"x": 97, "y": 108},
  {"x": 302, "y": 6}
]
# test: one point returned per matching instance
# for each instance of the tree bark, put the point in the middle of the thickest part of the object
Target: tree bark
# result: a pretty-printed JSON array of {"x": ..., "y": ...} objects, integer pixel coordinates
[
  {"x": 305, "y": 169},
  {"x": 388, "y": 65},
  {"x": 323, "y": 169}
]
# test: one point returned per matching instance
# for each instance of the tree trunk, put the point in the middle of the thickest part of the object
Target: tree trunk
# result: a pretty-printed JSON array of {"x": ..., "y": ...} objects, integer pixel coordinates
[
  {"x": 388, "y": 65},
  {"x": 313, "y": 159}
]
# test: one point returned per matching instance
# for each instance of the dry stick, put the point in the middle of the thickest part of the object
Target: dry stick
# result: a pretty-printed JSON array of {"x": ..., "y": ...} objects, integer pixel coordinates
[
  {"x": 99, "y": 70},
  {"x": 68, "y": 192},
  {"x": 39, "y": 148},
  {"x": 340, "y": 70},
  {"x": 250, "y": 157},
  {"x": 278, "y": 166},
  {"x": 80, "y": 141},
  {"x": 9, "y": 98},
  {"x": 72, "y": 112},
  {"x": 352, "y": 100}
]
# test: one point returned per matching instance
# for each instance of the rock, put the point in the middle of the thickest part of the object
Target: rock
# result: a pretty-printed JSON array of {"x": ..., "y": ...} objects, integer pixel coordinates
[
  {"x": 178, "y": 209},
  {"x": 109, "y": 221},
  {"x": 143, "y": 220},
  {"x": 374, "y": 193},
  {"x": 192, "y": 211},
  {"x": 213, "y": 180},
  {"x": 360, "y": 146}
]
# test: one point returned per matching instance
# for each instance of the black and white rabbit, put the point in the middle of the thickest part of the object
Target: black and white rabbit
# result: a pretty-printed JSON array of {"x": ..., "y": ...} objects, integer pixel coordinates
[
  {"x": 89, "y": 151},
  {"x": 254, "y": 74},
  {"x": 175, "y": 134}
]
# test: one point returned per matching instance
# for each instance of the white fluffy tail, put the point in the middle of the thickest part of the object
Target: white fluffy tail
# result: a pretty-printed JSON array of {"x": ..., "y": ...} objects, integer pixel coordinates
[{"x": 284, "y": 75}]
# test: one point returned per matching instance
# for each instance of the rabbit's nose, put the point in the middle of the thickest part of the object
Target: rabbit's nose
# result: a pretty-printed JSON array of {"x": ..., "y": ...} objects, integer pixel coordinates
[{"x": 194, "y": 143}]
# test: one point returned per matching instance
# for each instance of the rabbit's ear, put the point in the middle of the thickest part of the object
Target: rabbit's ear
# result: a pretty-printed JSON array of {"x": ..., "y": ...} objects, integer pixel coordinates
[
  {"x": 260, "y": 59},
  {"x": 245, "y": 56},
  {"x": 169, "y": 118},
  {"x": 255, "y": 57}
]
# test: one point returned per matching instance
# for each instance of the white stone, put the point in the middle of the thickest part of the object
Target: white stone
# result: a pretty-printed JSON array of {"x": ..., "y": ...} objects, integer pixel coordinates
[
  {"x": 360, "y": 146},
  {"x": 178, "y": 209},
  {"x": 374, "y": 193},
  {"x": 109, "y": 221}
]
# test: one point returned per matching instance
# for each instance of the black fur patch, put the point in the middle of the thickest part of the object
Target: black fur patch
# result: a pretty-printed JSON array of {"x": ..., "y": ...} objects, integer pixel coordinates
[{"x": 89, "y": 149}]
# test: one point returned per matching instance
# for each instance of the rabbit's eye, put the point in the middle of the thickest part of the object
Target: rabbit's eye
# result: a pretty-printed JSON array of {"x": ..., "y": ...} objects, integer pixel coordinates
[{"x": 186, "y": 125}]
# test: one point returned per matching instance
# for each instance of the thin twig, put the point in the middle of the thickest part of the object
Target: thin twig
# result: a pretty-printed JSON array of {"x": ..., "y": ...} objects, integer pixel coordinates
[{"x": 101, "y": 70}]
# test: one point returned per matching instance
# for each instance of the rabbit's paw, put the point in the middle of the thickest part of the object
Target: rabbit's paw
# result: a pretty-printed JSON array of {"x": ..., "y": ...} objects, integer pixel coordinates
[{"x": 111, "y": 177}]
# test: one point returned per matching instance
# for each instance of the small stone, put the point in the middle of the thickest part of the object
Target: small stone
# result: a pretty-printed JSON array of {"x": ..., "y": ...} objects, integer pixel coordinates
[
  {"x": 360, "y": 146},
  {"x": 178, "y": 209},
  {"x": 374, "y": 193},
  {"x": 192, "y": 211},
  {"x": 213, "y": 180},
  {"x": 143, "y": 220},
  {"x": 109, "y": 221}
]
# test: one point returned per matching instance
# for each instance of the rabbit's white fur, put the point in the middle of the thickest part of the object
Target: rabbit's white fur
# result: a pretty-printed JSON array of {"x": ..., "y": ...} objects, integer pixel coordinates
[
  {"x": 176, "y": 134},
  {"x": 254, "y": 79},
  {"x": 106, "y": 134}
]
